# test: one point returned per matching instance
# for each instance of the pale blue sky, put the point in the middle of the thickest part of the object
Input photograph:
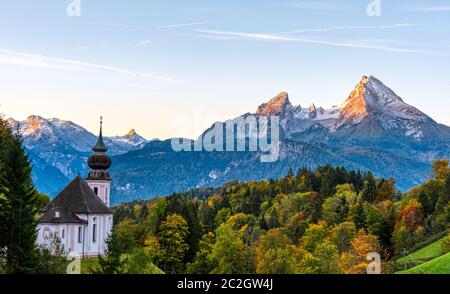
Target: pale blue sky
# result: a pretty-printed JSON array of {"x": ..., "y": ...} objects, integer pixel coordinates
[{"x": 152, "y": 63}]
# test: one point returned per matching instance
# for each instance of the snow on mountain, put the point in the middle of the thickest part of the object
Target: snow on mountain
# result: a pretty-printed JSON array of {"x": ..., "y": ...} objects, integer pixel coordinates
[
  {"x": 371, "y": 110},
  {"x": 371, "y": 96},
  {"x": 130, "y": 139},
  {"x": 374, "y": 129},
  {"x": 63, "y": 147},
  {"x": 38, "y": 132}
]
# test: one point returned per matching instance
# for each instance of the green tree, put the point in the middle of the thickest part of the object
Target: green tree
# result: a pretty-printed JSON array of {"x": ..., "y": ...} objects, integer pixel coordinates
[
  {"x": 445, "y": 245},
  {"x": 335, "y": 209},
  {"x": 18, "y": 209},
  {"x": 229, "y": 254},
  {"x": 402, "y": 239},
  {"x": 202, "y": 263},
  {"x": 274, "y": 254},
  {"x": 140, "y": 262},
  {"x": 112, "y": 262},
  {"x": 369, "y": 192},
  {"x": 342, "y": 235},
  {"x": 53, "y": 258},
  {"x": 358, "y": 214},
  {"x": 173, "y": 233}
]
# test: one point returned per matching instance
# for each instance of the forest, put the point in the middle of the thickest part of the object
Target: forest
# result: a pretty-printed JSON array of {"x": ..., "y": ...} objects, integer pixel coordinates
[{"x": 324, "y": 221}]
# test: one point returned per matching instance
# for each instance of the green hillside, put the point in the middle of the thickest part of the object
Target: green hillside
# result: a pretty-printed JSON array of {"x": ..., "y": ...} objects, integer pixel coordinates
[
  {"x": 422, "y": 255},
  {"x": 440, "y": 265}
]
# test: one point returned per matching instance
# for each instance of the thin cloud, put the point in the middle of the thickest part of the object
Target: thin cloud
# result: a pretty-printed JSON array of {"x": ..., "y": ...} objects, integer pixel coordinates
[
  {"x": 144, "y": 43},
  {"x": 35, "y": 60},
  {"x": 274, "y": 37},
  {"x": 317, "y": 5},
  {"x": 117, "y": 25},
  {"x": 40, "y": 61},
  {"x": 163, "y": 78},
  {"x": 256, "y": 36},
  {"x": 189, "y": 24},
  {"x": 340, "y": 28},
  {"x": 428, "y": 8},
  {"x": 81, "y": 48}
]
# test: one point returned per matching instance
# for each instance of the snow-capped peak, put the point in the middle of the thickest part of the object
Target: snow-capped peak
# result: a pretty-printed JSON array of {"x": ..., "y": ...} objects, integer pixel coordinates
[
  {"x": 55, "y": 132},
  {"x": 130, "y": 138},
  {"x": 371, "y": 96}
]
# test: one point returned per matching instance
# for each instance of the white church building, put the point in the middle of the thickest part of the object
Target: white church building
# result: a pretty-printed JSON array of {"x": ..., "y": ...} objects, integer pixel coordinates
[{"x": 80, "y": 215}]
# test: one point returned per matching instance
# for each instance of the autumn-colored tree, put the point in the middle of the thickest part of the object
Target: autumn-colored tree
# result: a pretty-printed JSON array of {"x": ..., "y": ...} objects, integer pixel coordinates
[
  {"x": 441, "y": 169},
  {"x": 355, "y": 260},
  {"x": 386, "y": 190},
  {"x": 153, "y": 249},
  {"x": 172, "y": 234},
  {"x": 410, "y": 215},
  {"x": 314, "y": 236}
]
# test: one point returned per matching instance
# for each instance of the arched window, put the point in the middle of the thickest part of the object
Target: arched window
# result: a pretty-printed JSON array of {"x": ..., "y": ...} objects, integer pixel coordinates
[
  {"x": 94, "y": 230},
  {"x": 46, "y": 233},
  {"x": 80, "y": 235}
]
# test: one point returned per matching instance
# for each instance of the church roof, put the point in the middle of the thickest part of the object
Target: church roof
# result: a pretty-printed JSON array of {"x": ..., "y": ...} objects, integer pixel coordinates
[
  {"x": 78, "y": 197},
  {"x": 60, "y": 215}
]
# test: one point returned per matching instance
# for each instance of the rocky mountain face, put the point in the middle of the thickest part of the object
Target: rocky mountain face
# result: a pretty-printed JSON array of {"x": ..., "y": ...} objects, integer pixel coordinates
[
  {"x": 374, "y": 129},
  {"x": 59, "y": 148}
]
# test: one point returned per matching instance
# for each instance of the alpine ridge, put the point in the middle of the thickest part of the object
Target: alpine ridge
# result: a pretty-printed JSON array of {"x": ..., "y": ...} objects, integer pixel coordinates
[
  {"x": 59, "y": 148},
  {"x": 374, "y": 129}
]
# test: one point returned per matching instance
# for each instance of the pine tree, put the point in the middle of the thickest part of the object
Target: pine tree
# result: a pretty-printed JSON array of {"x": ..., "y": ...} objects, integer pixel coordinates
[
  {"x": 19, "y": 206},
  {"x": 370, "y": 189},
  {"x": 5, "y": 138},
  {"x": 447, "y": 185},
  {"x": 359, "y": 215},
  {"x": 111, "y": 263}
]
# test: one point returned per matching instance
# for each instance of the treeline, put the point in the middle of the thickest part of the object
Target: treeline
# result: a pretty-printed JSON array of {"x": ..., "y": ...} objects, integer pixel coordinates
[
  {"x": 19, "y": 204},
  {"x": 322, "y": 221}
]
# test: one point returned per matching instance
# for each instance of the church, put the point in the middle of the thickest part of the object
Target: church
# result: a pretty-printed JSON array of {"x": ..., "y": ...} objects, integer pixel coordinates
[{"x": 80, "y": 215}]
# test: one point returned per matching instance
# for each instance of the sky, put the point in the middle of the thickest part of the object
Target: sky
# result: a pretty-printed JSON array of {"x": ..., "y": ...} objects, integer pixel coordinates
[{"x": 172, "y": 67}]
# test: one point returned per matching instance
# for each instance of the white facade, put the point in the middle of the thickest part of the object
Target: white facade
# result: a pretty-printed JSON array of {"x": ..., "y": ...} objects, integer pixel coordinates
[{"x": 85, "y": 240}]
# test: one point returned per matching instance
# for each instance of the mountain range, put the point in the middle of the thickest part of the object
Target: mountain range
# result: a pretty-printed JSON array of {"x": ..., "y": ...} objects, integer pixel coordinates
[
  {"x": 374, "y": 129},
  {"x": 59, "y": 149}
]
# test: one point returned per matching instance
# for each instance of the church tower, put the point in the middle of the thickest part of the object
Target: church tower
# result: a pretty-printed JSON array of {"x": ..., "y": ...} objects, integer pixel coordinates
[{"x": 98, "y": 178}]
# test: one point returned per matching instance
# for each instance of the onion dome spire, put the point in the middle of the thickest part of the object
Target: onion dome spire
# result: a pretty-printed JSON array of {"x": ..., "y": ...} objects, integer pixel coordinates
[
  {"x": 99, "y": 162},
  {"x": 100, "y": 145}
]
